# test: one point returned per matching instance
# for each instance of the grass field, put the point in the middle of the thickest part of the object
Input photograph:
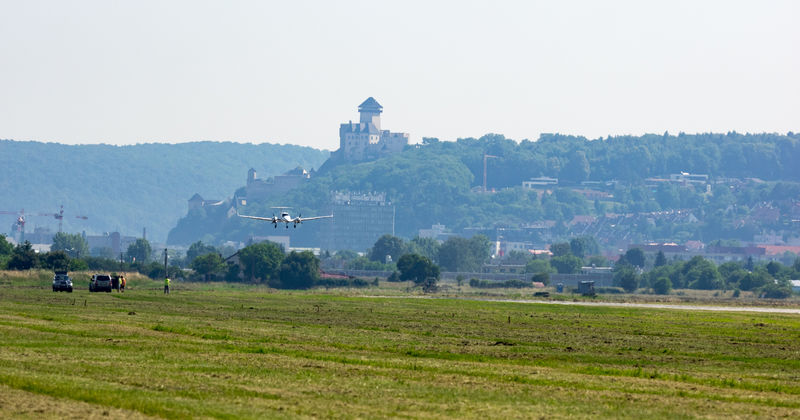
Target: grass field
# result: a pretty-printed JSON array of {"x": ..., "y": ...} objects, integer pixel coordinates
[{"x": 232, "y": 351}]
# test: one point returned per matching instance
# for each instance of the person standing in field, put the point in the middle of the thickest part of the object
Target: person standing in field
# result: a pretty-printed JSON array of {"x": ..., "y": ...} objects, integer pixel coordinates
[
  {"x": 122, "y": 284},
  {"x": 166, "y": 286}
]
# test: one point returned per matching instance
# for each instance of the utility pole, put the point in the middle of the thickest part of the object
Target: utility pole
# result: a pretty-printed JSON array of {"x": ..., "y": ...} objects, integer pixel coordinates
[
  {"x": 166, "y": 273},
  {"x": 485, "y": 156}
]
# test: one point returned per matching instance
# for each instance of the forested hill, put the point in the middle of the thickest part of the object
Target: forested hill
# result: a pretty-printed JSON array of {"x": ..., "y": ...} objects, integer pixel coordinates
[
  {"x": 437, "y": 182},
  {"x": 629, "y": 158},
  {"x": 127, "y": 188}
]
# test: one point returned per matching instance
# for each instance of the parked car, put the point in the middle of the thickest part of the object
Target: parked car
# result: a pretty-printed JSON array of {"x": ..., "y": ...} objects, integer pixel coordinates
[
  {"x": 62, "y": 282},
  {"x": 100, "y": 283}
]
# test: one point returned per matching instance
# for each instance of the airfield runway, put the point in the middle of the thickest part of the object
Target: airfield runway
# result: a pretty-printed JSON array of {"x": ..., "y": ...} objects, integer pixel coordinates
[{"x": 760, "y": 309}]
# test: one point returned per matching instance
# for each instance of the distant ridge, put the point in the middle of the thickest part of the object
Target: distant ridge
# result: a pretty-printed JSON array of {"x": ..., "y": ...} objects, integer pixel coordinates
[{"x": 128, "y": 188}]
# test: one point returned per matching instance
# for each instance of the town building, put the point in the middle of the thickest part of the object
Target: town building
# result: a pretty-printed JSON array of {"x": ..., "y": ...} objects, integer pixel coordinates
[
  {"x": 365, "y": 139},
  {"x": 258, "y": 189},
  {"x": 437, "y": 231},
  {"x": 719, "y": 254},
  {"x": 503, "y": 247},
  {"x": 687, "y": 178},
  {"x": 359, "y": 219},
  {"x": 40, "y": 236},
  {"x": 539, "y": 182},
  {"x": 113, "y": 242}
]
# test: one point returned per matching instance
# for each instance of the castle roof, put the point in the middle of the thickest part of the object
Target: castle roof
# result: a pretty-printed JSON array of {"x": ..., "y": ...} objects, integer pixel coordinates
[
  {"x": 359, "y": 128},
  {"x": 370, "y": 105}
]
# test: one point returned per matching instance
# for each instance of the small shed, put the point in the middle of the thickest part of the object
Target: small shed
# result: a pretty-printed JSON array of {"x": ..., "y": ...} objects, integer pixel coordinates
[
  {"x": 586, "y": 288},
  {"x": 795, "y": 285}
]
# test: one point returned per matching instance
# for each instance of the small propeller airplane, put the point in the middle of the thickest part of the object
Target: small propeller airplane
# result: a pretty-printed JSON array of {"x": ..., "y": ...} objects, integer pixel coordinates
[{"x": 284, "y": 218}]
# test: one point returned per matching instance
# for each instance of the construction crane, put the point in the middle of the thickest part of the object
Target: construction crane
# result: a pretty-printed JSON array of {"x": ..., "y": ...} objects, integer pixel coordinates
[
  {"x": 20, "y": 225},
  {"x": 60, "y": 217},
  {"x": 485, "y": 157}
]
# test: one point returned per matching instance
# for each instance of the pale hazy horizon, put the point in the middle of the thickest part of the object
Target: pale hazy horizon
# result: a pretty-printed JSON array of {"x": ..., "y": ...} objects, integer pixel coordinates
[{"x": 88, "y": 72}]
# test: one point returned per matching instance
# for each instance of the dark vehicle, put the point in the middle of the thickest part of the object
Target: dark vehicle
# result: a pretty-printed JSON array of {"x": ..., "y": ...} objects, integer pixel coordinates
[
  {"x": 100, "y": 283},
  {"x": 62, "y": 282}
]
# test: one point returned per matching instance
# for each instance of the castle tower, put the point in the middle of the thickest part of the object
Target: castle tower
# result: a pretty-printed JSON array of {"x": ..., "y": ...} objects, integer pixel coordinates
[
  {"x": 251, "y": 176},
  {"x": 370, "y": 111}
]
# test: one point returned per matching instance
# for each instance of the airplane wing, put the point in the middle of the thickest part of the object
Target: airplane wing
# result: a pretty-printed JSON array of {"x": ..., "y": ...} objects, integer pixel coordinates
[
  {"x": 268, "y": 219},
  {"x": 303, "y": 219}
]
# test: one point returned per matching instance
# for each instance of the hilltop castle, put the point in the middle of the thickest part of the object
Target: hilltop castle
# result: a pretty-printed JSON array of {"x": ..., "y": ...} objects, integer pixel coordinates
[{"x": 365, "y": 140}]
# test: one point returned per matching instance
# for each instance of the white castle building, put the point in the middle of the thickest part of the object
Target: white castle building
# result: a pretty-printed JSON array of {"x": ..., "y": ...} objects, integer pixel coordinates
[{"x": 365, "y": 140}]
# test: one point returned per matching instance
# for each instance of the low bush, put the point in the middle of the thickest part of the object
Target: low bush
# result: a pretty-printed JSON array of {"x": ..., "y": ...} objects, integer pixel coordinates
[
  {"x": 485, "y": 284},
  {"x": 609, "y": 290},
  {"x": 356, "y": 282}
]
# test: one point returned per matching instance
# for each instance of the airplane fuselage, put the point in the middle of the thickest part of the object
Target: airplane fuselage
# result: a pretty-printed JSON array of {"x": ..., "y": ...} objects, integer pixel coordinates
[{"x": 284, "y": 218}]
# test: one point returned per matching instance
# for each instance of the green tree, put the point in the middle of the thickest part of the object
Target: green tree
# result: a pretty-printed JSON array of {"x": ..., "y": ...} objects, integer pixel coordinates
[
  {"x": 78, "y": 265},
  {"x": 626, "y": 278},
  {"x": 517, "y": 257},
  {"x": 726, "y": 269},
  {"x": 232, "y": 272},
  {"x": 662, "y": 286},
  {"x": 774, "y": 290},
  {"x": 749, "y": 265},
  {"x": 597, "y": 261},
  {"x": 701, "y": 274},
  {"x": 58, "y": 260},
  {"x": 774, "y": 268},
  {"x": 417, "y": 268},
  {"x": 560, "y": 249},
  {"x": 670, "y": 271},
  {"x": 668, "y": 196},
  {"x": 387, "y": 245},
  {"x": 197, "y": 249},
  {"x": 480, "y": 248},
  {"x": 542, "y": 277},
  {"x": 74, "y": 245},
  {"x": 139, "y": 250},
  {"x": 208, "y": 265},
  {"x": 539, "y": 265},
  {"x": 427, "y": 247},
  {"x": 566, "y": 264},
  {"x": 261, "y": 261},
  {"x": 577, "y": 168},
  {"x": 299, "y": 270},
  {"x": 461, "y": 254},
  {"x": 583, "y": 246},
  {"x": 755, "y": 279},
  {"x": 736, "y": 278},
  {"x": 661, "y": 259},
  {"x": 5, "y": 247},
  {"x": 23, "y": 257},
  {"x": 635, "y": 257}
]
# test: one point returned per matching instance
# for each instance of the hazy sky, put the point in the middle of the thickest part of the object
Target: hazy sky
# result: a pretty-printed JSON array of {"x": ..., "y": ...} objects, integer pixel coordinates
[{"x": 290, "y": 71}]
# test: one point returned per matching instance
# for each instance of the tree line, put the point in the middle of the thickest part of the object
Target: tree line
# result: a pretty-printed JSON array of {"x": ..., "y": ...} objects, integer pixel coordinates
[
  {"x": 420, "y": 260},
  {"x": 436, "y": 182}
]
